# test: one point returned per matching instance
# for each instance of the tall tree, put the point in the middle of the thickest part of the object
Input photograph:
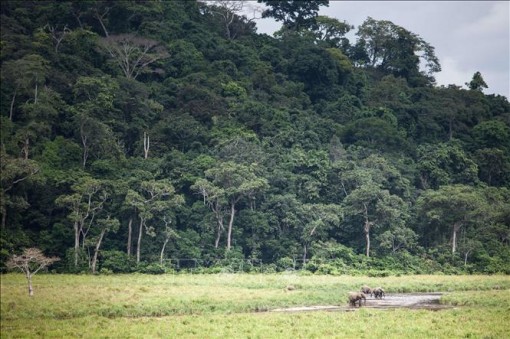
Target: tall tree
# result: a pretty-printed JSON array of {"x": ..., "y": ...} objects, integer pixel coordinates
[
  {"x": 25, "y": 75},
  {"x": 317, "y": 222},
  {"x": 105, "y": 225},
  {"x": 223, "y": 187},
  {"x": 133, "y": 54},
  {"x": 152, "y": 197},
  {"x": 294, "y": 14},
  {"x": 395, "y": 49},
  {"x": 373, "y": 192},
  {"x": 452, "y": 207},
  {"x": 84, "y": 203},
  {"x": 231, "y": 15},
  {"x": 331, "y": 31},
  {"x": 444, "y": 164},
  {"x": 477, "y": 83},
  {"x": 375, "y": 207},
  {"x": 14, "y": 171}
]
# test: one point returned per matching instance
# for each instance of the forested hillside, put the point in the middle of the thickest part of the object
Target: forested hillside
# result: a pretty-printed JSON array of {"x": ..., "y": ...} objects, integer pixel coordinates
[{"x": 144, "y": 135}]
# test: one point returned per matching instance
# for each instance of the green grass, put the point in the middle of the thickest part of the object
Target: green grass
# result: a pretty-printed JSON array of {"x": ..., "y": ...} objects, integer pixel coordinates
[{"x": 229, "y": 305}]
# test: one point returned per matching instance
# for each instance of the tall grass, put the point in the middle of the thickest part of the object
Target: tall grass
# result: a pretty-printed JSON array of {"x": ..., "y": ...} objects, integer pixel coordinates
[{"x": 229, "y": 305}]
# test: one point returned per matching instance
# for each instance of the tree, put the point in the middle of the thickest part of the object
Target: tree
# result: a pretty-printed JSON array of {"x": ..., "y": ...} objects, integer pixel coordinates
[
  {"x": 492, "y": 134},
  {"x": 229, "y": 12},
  {"x": 168, "y": 233},
  {"x": 395, "y": 49},
  {"x": 317, "y": 220},
  {"x": 444, "y": 164},
  {"x": 477, "y": 83},
  {"x": 372, "y": 189},
  {"x": 151, "y": 197},
  {"x": 133, "y": 54},
  {"x": 375, "y": 206},
  {"x": 398, "y": 237},
  {"x": 331, "y": 31},
  {"x": 13, "y": 172},
  {"x": 30, "y": 262},
  {"x": 493, "y": 165},
  {"x": 294, "y": 14},
  {"x": 453, "y": 207},
  {"x": 87, "y": 200},
  {"x": 94, "y": 115},
  {"x": 223, "y": 187},
  {"x": 25, "y": 74},
  {"x": 104, "y": 225}
]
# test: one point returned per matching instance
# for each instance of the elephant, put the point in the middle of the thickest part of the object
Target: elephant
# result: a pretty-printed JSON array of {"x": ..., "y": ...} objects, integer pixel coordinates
[
  {"x": 378, "y": 292},
  {"x": 357, "y": 297},
  {"x": 366, "y": 290}
]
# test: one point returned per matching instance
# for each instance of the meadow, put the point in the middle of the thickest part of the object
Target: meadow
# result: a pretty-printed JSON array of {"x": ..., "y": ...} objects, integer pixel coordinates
[{"x": 240, "y": 306}]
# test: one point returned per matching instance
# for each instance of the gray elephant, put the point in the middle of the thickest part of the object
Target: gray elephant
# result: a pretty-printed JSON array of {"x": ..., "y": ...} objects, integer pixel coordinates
[
  {"x": 366, "y": 290},
  {"x": 378, "y": 292},
  {"x": 357, "y": 297}
]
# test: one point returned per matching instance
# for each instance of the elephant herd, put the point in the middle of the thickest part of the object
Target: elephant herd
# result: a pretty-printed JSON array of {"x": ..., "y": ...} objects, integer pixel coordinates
[{"x": 357, "y": 297}]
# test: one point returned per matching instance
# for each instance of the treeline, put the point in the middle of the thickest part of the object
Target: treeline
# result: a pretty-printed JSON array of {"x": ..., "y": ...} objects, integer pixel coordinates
[{"x": 137, "y": 132}]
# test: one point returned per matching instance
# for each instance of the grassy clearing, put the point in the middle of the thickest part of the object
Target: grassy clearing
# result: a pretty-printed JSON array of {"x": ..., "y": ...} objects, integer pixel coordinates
[{"x": 226, "y": 305}]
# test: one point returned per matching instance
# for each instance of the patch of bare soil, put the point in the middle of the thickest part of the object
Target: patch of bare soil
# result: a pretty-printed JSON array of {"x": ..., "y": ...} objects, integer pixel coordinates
[{"x": 428, "y": 301}]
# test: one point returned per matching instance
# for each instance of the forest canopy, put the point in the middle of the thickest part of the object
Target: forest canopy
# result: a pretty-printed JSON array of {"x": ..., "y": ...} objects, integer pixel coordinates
[{"x": 158, "y": 135}]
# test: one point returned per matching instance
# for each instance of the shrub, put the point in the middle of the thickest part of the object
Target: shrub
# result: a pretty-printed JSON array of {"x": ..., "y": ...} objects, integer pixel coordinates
[
  {"x": 116, "y": 262},
  {"x": 285, "y": 263},
  {"x": 381, "y": 274},
  {"x": 150, "y": 268}
]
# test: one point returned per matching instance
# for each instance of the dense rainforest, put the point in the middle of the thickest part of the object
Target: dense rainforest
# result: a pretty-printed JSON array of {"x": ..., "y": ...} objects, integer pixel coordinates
[{"x": 144, "y": 136}]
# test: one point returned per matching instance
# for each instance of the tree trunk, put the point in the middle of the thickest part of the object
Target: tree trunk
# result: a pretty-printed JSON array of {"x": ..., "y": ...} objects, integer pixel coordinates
[
  {"x": 76, "y": 243},
  {"x": 85, "y": 148},
  {"x": 96, "y": 251},
  {"x": 139, "y": 242},
  {"x": 130, "y": 232},
  {"x": 4, "y": 217},
  {"x": 146, "y": 145},
  {"x": 30, "y": 289},
  {"x": 218, "y": 236},
  {"x": 163, "y": 251},
  {"x": 219, "y": 220},
  {"x": 35, "y": 94},
  {"x": 456, "y": 228},
  {"x": 11, "y": 110},
  {"x": 100, "y": 17},
  {"x": 304, "y": 254},
  {"x": 366, "y": 229},
  {"x": 367, "y": 238},
  {"x": 26, "y": 148},
  {"x": 454, "y": 241},
  {"x": 230, "y": 224}
]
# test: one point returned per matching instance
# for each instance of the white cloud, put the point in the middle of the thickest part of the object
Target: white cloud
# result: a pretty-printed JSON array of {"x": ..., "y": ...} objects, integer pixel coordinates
[
  {"x": 468, "y": 36},
  {"x": 453, "y": 73}
]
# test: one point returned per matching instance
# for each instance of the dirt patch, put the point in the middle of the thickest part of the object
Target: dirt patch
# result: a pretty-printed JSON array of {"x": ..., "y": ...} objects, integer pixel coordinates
[{"x": 428, "y": 301}]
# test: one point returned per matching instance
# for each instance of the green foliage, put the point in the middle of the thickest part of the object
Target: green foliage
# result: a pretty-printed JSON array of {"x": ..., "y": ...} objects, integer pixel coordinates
[
  {"x": 171, "y": 128},
  {"x": 116, "y": 262},
  {"x": 394, "y": 49},
  {"x": 150, "y": 268},
  {"x": 477, "y": 83},
  {"x": 294, "y": 15}
]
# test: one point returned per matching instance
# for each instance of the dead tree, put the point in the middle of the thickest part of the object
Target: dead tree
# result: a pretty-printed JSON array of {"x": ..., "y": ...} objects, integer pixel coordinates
[
  {"x": 133, "y": 54},
  {"x": 30, "y": 262}
]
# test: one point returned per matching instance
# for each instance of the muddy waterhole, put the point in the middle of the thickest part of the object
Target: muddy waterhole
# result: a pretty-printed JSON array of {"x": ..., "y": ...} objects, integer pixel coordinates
[{"x": 428, "y": 301}]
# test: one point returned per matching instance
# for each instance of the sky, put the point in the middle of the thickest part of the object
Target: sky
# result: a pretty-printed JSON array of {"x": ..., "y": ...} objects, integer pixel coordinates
[{"x": 468, "y": 36}]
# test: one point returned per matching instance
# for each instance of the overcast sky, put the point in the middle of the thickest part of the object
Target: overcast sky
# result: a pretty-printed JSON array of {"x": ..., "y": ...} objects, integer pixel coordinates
[{"x": 468, "y": 36}]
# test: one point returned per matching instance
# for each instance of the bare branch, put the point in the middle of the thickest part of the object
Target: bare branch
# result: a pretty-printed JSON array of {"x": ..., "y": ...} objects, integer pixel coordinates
[{"x": 133, "y": 54}]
